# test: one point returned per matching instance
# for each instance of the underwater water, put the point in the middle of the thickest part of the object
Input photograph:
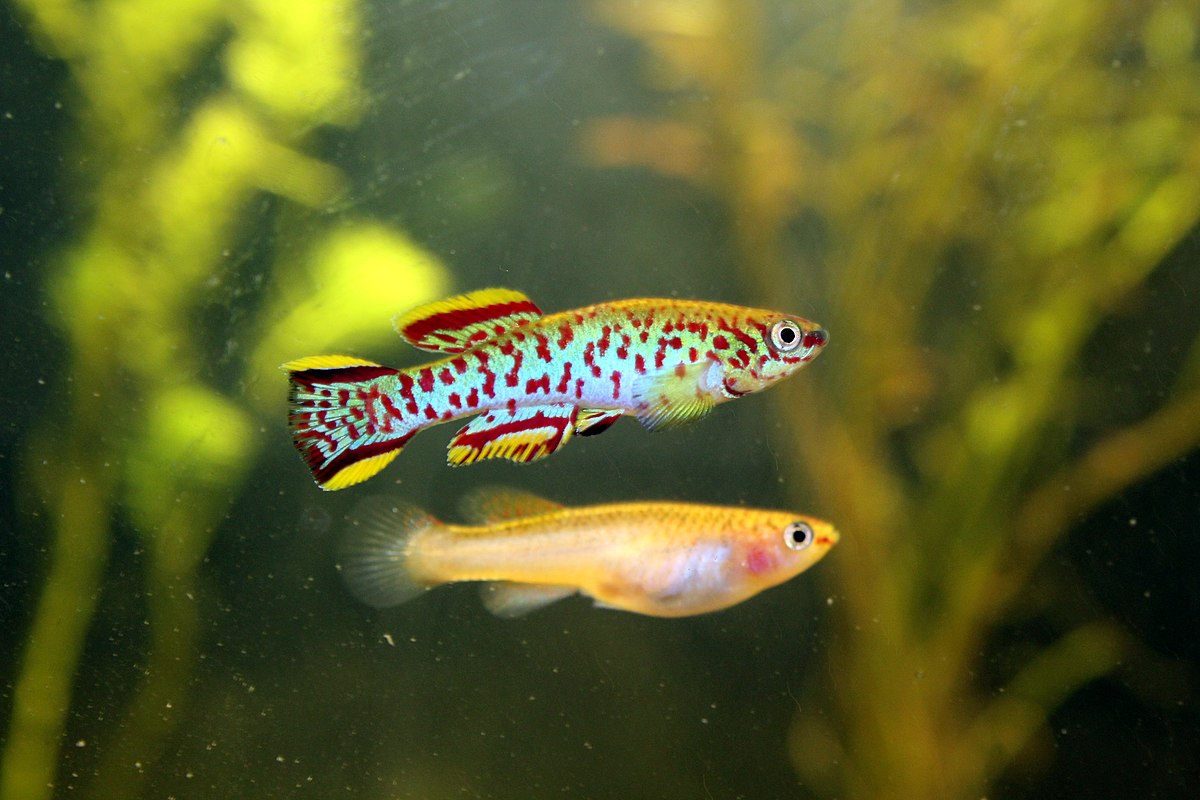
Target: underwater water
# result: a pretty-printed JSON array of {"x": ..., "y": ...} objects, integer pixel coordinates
[{"x": 992, "y": 207}]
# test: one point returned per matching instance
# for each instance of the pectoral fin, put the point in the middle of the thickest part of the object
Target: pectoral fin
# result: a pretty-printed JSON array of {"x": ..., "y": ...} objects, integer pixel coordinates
[
  {"x": 672, "y": 396},
  {"x": 459, "y": 323},
  {"x": 524, "y": 435},
  {"x": 505, "y": 599},
  {"x": 591, "y": 421}
]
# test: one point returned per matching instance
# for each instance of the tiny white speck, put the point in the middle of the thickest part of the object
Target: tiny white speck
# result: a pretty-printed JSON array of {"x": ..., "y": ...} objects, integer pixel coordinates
[{"x": 81, "y": 743}]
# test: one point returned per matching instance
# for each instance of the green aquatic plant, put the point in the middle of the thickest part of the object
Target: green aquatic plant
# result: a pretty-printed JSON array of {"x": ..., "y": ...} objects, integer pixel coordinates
[
  {"x": 971, "y": 190},
  {"x": 144, "y": 438}
]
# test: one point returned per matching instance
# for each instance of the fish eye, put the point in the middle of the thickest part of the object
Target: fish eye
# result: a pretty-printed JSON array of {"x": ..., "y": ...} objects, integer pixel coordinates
[
  {"x": 786, "y": 336},
  {"x": 798, "y": 535}
]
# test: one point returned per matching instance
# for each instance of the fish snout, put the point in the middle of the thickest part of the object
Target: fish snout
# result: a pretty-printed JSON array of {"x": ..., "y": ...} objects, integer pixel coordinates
[{"x": 815, "y": 339}]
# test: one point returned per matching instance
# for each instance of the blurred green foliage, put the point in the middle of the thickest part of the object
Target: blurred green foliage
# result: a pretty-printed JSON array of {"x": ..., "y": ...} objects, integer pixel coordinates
[
  {"x": 1041, "y": 158},
  {"x": 146, "y": 437}
]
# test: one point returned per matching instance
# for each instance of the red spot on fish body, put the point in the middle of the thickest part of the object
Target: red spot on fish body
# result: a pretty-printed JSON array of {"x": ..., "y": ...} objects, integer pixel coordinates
[
  {"x": 430, "y": 413},
  {"x": 566, "y": 378},
  {"x": 692, "y": 354},
  {"x": 460, "y": 364},
  {"x": 760, "y": 560},
  {"x": 542, "y": 383},
  {"x": 489, "y": 383},
  {"x": 425, "y": 380},
  {"x": 456, "y": 399},
  {"x": 543, "y": 348},
  {"x": 742, "y": 337},
  {"x": 720, "y": 342},
  {"x": 578, "y": 388},
  {"x": 605, "y": 333},
  {"x": 639, "y": 364},
  {"x": 473, "y": 398},
  {"x": 514, "y": 374},
  {"x": 698, "y": 328},
  {"x": 392, "y": 411},
  {"x": 445, "y": 377},
  {"x": 511, "y": 405},
  {"x": 566, "y": 335},
  {"x": 644, "y": 336},
  {"x": 616, "y": 379},
  {"x": 507, "y": 348}
]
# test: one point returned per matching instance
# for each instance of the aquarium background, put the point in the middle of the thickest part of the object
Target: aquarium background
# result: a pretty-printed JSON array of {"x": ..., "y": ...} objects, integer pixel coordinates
[{"x": 992, "y": 206}]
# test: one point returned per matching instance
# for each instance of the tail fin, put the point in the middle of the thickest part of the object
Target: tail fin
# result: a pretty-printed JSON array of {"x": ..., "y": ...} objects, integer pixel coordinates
[
  {"x": 374, "y": 553},
  {"x": 342, "y": 420}
]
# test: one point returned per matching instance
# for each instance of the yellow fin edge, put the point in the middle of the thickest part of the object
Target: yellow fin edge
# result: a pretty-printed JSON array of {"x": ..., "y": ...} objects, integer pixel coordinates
[
  {"x": 358, "y": 471},
  {"x": 326, "y": 362}
]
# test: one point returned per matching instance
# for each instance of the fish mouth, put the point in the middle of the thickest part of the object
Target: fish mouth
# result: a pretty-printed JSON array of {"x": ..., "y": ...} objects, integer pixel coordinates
[
  {"x": 815, "y": 339},
  {"x": 728, "y": 386}
]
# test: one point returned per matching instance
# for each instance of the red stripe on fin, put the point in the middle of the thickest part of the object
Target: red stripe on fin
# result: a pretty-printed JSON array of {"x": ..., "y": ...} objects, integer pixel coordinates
[
  {"x": 522, "y": 435},
  {"x": 459, "y": 323},
  {"x": 341, "y": 422},
  {"x": 492, "y": 504}
]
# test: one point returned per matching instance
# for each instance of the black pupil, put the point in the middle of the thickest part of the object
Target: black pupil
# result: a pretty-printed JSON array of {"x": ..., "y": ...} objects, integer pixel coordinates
[
  {"x": 799, "y": 535},
  {"x": 787, "y": 335}
]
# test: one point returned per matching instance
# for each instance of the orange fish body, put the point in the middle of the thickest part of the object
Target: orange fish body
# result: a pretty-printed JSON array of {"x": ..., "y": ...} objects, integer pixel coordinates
[
  {"x": 532, "y": 382},
  {"x": 657, "y": 559}
]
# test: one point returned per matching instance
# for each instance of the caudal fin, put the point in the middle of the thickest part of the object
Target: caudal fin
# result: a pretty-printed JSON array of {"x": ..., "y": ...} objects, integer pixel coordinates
[
  {"x": 342, "y": 419},
  {"x": 374, "y": 555}
]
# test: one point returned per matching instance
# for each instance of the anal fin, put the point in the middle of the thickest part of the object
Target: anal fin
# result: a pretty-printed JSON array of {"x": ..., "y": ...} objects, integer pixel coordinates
[
  {"x": 523, "y": 435},
  {"x": 509, "y": 599}
]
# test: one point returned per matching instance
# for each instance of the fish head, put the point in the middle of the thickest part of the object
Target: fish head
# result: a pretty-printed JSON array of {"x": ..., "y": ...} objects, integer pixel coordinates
[
  {"x": 770, "y": 347},
  {"x": 780, "y": 545}
]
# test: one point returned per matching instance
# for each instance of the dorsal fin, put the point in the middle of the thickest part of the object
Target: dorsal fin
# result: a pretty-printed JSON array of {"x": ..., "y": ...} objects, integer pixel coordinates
[
  {"x": 461, "y": 322},
  {"x": 491, "y": 504}
]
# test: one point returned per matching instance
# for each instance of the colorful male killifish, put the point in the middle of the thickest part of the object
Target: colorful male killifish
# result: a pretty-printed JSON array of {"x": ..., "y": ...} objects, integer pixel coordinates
[
  {"x": 536, "y": 380},
  {"x": 660, "y": 559}
]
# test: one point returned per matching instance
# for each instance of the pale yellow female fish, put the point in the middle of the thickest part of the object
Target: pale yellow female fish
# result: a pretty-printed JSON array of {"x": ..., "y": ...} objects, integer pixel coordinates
[{"x": 660, "y": 559}]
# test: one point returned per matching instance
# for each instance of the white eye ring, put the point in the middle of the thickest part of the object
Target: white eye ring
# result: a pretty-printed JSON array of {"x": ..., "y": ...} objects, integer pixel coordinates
[
  {"x": 798, "y": 535},
  {"x": 786, "y": 336}
]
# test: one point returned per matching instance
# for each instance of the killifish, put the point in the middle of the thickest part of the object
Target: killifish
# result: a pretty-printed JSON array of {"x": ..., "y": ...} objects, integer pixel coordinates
[
  {"x": 657, "y": 558},
  {"x": 534, "y": 381}
]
